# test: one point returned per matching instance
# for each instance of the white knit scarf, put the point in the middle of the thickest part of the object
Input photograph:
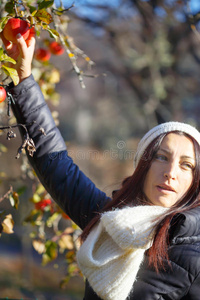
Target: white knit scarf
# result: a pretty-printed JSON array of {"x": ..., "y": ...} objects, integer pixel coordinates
[{"x": 112, "y": 254}]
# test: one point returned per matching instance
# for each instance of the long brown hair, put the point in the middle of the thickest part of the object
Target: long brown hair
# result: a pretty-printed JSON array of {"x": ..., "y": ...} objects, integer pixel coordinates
[{"x": 131, "y": 194}]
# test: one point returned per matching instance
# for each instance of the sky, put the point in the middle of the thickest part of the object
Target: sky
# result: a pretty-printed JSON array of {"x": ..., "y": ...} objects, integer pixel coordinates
[{"x": 194, "y": 5}]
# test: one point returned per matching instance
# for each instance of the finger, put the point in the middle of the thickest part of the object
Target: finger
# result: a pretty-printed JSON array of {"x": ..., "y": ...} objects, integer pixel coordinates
[
  {"x": 21, "y": 44},
  {"x": 31, "y": 43}
]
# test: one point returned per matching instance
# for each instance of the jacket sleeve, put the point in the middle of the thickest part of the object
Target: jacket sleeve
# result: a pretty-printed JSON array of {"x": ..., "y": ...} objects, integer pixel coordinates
[{"x": 75, "y": 193}]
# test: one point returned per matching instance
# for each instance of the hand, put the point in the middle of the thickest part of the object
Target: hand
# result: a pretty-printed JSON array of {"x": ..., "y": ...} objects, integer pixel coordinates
[{"x": 22, "y": 52}]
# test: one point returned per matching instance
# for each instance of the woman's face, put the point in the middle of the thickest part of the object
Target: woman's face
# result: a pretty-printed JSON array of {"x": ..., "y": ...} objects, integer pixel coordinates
[{"x": 171, "y": 173}]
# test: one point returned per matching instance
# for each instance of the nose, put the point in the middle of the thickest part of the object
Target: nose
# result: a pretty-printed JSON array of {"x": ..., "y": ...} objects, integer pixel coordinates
[{"x": 170, "y": 172}]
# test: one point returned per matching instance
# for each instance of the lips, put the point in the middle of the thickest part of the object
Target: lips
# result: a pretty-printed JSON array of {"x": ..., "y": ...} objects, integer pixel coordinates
[{"x": 165, "y": 187}]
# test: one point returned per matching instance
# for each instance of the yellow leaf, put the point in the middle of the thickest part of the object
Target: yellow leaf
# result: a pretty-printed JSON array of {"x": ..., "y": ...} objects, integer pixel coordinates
[
  {"x": 14, "y": 200},
  {"x": 53, "y": 76},
  {"x": 3, "y": 174},
  {"x": 40, "y": 189},
  {"x": 3, "y": 148},
  {"x": 6, "y": 58},
  {"x": 39, "y": 246},
  {"x": 44, "y": 16},
  {"x": 66, "y": 242},
  {"x": 36, "y": 198},
  {"x": 53, "y": 33},
  {"x": 12, "y": 73},
  {"x": 68, "y": 230},
  {"x": 8, "y": 224}
]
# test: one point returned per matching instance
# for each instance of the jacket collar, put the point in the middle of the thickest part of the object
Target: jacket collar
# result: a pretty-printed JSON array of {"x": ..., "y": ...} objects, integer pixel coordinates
[{"x": 185, "y": 227}]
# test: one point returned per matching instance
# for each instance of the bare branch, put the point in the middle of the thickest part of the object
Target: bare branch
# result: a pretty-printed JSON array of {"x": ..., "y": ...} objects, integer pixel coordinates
[{"x": 7, "y": 194}]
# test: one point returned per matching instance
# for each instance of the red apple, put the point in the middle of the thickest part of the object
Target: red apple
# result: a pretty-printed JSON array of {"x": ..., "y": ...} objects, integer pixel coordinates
[
  {"x": 15, "y": 26},
  {"x": 42, "y": 204},
  {"x": 42, "y": 54},
  {"x": 2, "y": 94},
  {"x": 56, "y": 48}
]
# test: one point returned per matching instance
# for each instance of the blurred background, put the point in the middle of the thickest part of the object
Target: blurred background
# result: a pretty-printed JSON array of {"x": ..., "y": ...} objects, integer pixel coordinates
[{"x": 146, "y": 71}]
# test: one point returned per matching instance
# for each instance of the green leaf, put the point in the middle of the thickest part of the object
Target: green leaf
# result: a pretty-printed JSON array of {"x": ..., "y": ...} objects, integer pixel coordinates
[
  {"x": 32, "y": 9},
  {"x": 31, "y": 20},
  {"x": 50, "y": 247},
  {"x": 72, "y": 268},
  {"x": 53, "y": 33},
  {"x": 33, "y": 234},
  {"x": 59, "y": 11},
  {"x": 9, "y": 7},
  {"x": 64, "y": 281},
  {"x": 33, "y": 216},
  {"x": 44, "y": 16},
  {"x": 51, "y": 252},
  {"x": 5, "y": 57},
  {"x": 45, "y": 4},
  {"x": 12, "y": 73},
  {"x": 21, "y": 190},
  {"x": 3, "y": 22},
  {"x": 44, "y": 26},
  {"x": 37, "y": 31},
  {"x": 52, "y": 218}
]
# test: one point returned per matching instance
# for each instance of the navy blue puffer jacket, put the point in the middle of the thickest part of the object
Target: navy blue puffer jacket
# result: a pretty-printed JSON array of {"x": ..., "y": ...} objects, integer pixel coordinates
[{"x": 77, "y": 195}]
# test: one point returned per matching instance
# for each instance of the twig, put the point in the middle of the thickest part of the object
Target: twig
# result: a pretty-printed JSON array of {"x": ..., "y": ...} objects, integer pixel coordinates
[
  {"x": 7, "y": 194},
  {"x": 70, "y": 54},
  {"x": 63, "y": 10},
  {"x": 27, "y": 142}
]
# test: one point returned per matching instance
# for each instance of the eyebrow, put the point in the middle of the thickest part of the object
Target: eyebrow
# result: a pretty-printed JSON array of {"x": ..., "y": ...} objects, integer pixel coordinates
[{"x": 169, "y": 152}]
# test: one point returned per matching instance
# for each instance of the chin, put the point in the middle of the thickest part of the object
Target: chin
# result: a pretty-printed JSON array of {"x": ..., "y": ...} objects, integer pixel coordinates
[{"x": 165, "y": 203}]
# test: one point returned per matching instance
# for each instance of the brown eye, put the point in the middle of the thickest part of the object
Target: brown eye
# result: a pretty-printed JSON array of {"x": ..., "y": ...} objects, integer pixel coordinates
[{"x": 188, "y": 165}]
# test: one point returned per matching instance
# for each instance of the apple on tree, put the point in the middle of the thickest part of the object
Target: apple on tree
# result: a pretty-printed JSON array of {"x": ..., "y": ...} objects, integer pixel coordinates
[
  {"x": 56, "y": 48},
  {"x": 2, "y": 94},
  {"x": 42, "y": 204},
  {"x": 42, "y": 54},
  {"x": 15, "y": 26}
]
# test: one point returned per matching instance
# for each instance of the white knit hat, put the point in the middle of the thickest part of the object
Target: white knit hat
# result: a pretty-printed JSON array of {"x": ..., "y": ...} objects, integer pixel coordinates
[{"x": 164, "y": 128}]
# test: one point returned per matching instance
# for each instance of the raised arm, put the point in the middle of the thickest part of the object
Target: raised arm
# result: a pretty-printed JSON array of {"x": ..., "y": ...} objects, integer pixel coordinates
[{"x": 75, "y": 193}]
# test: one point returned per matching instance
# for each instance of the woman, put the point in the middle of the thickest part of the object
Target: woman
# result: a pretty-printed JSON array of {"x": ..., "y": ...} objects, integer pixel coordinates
[{"x": 145, "y": 243}]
